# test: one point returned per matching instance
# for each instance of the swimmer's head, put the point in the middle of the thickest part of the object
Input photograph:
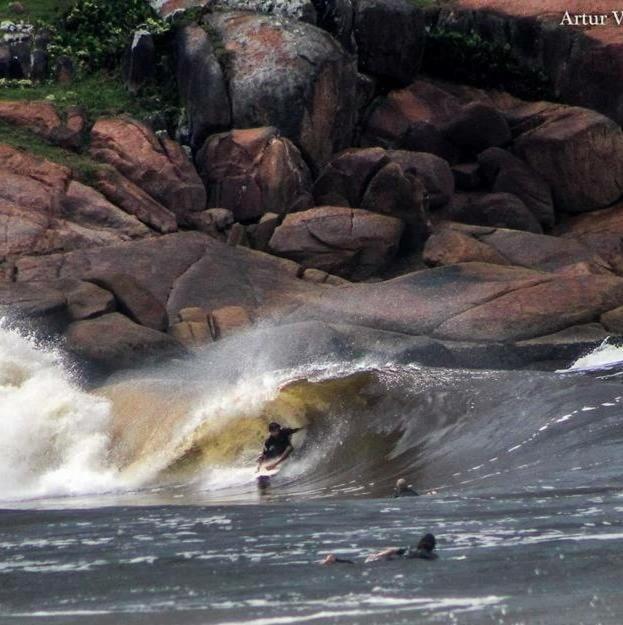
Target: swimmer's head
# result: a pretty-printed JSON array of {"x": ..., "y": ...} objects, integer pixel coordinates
[
  {"x": 427, "y": 542},
  {"x": 401, "y": 484},
  {"x": 274, "y": 427}
]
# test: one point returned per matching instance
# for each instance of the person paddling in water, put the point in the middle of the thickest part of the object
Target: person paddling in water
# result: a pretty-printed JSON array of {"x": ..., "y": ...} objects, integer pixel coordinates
[{"x": 277, "y": 447}]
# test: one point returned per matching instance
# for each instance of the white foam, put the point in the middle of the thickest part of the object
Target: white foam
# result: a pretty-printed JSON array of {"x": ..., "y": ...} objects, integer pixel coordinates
[
  {"x": 54, "y": 436},
  {"x": 606, "y": 356}
]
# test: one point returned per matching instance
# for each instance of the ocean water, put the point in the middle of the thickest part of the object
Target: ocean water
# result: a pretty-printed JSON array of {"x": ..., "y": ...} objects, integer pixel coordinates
[{"x": 136, "y": 502}]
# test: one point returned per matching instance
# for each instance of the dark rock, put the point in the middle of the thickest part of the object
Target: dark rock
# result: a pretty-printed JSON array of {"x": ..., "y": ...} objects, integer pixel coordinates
[
  {"x": 134, "y": 201},
  {"x": 140, "y": 61},
  {"x": 261, "y": 233},
  {"x": 507, "y": 174},
  {"x": 344, "y": 180},
  {"x": 477, "y": 127},
  {"x": 393, "y": 116},
  {"x": 434, "y": 172},
  {"x": 450, "y": 247},
  {"x": 64, "y": 70},
  {"x": 467, "y": 176},
  {"x": 344, "y": 241},
  {"x": 424, "y": 137},
  {"x": 134, "y": 299},
  {"x": 254, "y": 171},
  {"x": 396, "y": 194},
  {"x": 201, "y": 84},
  {"x": 89, "y": 208},
  {"x": 390, "y": 37},
  {"x": 159, "y": 167},
  {"x": 112, "y": 342},
  {"x": 564, "y": 346},
  {"x": 314, "y": 106},
  {"x": 86, "y": 300},
  {"x": 499, "y": 210},
  {"x": 39, "y": 65},
  {"x": 613, "y": 320},
  {"x": 337, "y": 17},
  {"x": 568, "y": 147}
]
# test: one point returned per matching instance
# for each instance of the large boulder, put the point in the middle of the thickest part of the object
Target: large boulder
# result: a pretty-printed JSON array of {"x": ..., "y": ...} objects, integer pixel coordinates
[
  {"x": 254, "y": 171},
  {"x": 543, "y": 252},
  {"x": 89, "y": 208},
  {"x": 347, "y": 242},
  {"x": 498, "y": 210},
  {"x": 291, "y": 75},
  {"x": 86, "y": 300},
  {"x": 134, "y": 299},
  {"x": 477, "y": 127},
  {"x": 182, "y": 270},
  {"x": 32, "y": 182},
  {"x": 113, "y": 342},
  {"x": 393, "y": 115},
  {"x": 337, "y": 17},
  {"x": 450, "y": 247},
  {"x": 390, "y": 36},
  {"x": 158, "y": 166},
  {"x": 140, "y": 60},
  {"x": 201, "y": 83},
  {"x": 506, "y": 173},
  {"x": 469, "y": 302},
  {"x": 344, "y": 179},
  {"x": 568, "y": 147},
  {"x": 128, "y": 196},
  {"x": 395, "y": 193},
  {"x": 538, "y": 310},
  {"x": 434, "y": 172}
]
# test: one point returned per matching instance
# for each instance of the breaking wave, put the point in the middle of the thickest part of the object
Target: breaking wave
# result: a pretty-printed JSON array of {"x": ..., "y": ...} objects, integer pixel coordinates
[{"x": 198, "y": 424}]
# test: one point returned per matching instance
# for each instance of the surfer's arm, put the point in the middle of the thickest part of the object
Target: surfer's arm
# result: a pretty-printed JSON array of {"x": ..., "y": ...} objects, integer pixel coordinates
[
  {"x": 284, "y": 455},
  {"x": 386, "y": 554}
]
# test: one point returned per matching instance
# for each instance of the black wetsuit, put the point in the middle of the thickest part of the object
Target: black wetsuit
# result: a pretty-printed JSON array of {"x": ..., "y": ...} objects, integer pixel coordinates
[
  {"x": 274, "y": 446},
  {"x": 412, "y": 552},
  {"x": 405, "y": 492}
]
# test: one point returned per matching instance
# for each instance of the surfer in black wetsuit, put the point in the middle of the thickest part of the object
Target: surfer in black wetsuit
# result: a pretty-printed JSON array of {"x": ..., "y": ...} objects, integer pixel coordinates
[
  {"x": 277, "y": 446},
  {"x": 403, "y": 489},
  {"x": 425, "y": 550}
]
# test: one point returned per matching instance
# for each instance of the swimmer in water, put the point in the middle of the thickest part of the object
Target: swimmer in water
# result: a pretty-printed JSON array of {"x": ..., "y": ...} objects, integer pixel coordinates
[
  {"x": 425, "y": 550},
  {"x": 403, "y": 489}
]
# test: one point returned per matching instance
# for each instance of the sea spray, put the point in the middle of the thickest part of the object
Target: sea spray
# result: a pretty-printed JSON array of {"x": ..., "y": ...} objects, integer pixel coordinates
[{"x": 54, "y": 436}]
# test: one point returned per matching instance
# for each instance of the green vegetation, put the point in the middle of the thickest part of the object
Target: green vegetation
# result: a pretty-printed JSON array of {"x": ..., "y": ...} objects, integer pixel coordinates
[
  {"x": 470, "y": 59},
  {"x": 100, "y": 94},
  {"x": 84, "y": 169},
  {"x": 96, "y": 32},
  {"x": 36, "y": 10}
]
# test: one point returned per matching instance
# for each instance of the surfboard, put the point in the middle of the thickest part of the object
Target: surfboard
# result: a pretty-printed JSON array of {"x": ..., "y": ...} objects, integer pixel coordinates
[{"x": 264, "y": 475}]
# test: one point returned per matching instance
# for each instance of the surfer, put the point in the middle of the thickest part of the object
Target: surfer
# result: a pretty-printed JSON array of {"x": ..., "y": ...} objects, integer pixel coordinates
[
  {"x": 403, "y": 489},
  {"x": 277, "y": 446},
  {"x": 425, "y": 550}
]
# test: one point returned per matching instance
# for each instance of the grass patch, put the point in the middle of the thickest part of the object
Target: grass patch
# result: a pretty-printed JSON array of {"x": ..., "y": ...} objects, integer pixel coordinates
[
  {"x": 83, "y": 167},
  {"x": 100, "y": 94},
  {"x": 36, "y": 10}
]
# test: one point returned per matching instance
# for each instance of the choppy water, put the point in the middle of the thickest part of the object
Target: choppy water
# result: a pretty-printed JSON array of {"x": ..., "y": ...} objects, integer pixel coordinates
[{"x": 137, "y": 502}]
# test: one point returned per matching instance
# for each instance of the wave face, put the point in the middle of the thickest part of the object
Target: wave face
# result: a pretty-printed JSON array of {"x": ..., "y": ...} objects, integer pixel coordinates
[{"x": 199, "y": 424}]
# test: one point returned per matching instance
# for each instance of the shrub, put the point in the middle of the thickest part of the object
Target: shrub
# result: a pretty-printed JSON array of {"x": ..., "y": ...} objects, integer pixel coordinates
[
  {"x": 469, "y": 59},
  {"x": 95, "y": 33}
]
